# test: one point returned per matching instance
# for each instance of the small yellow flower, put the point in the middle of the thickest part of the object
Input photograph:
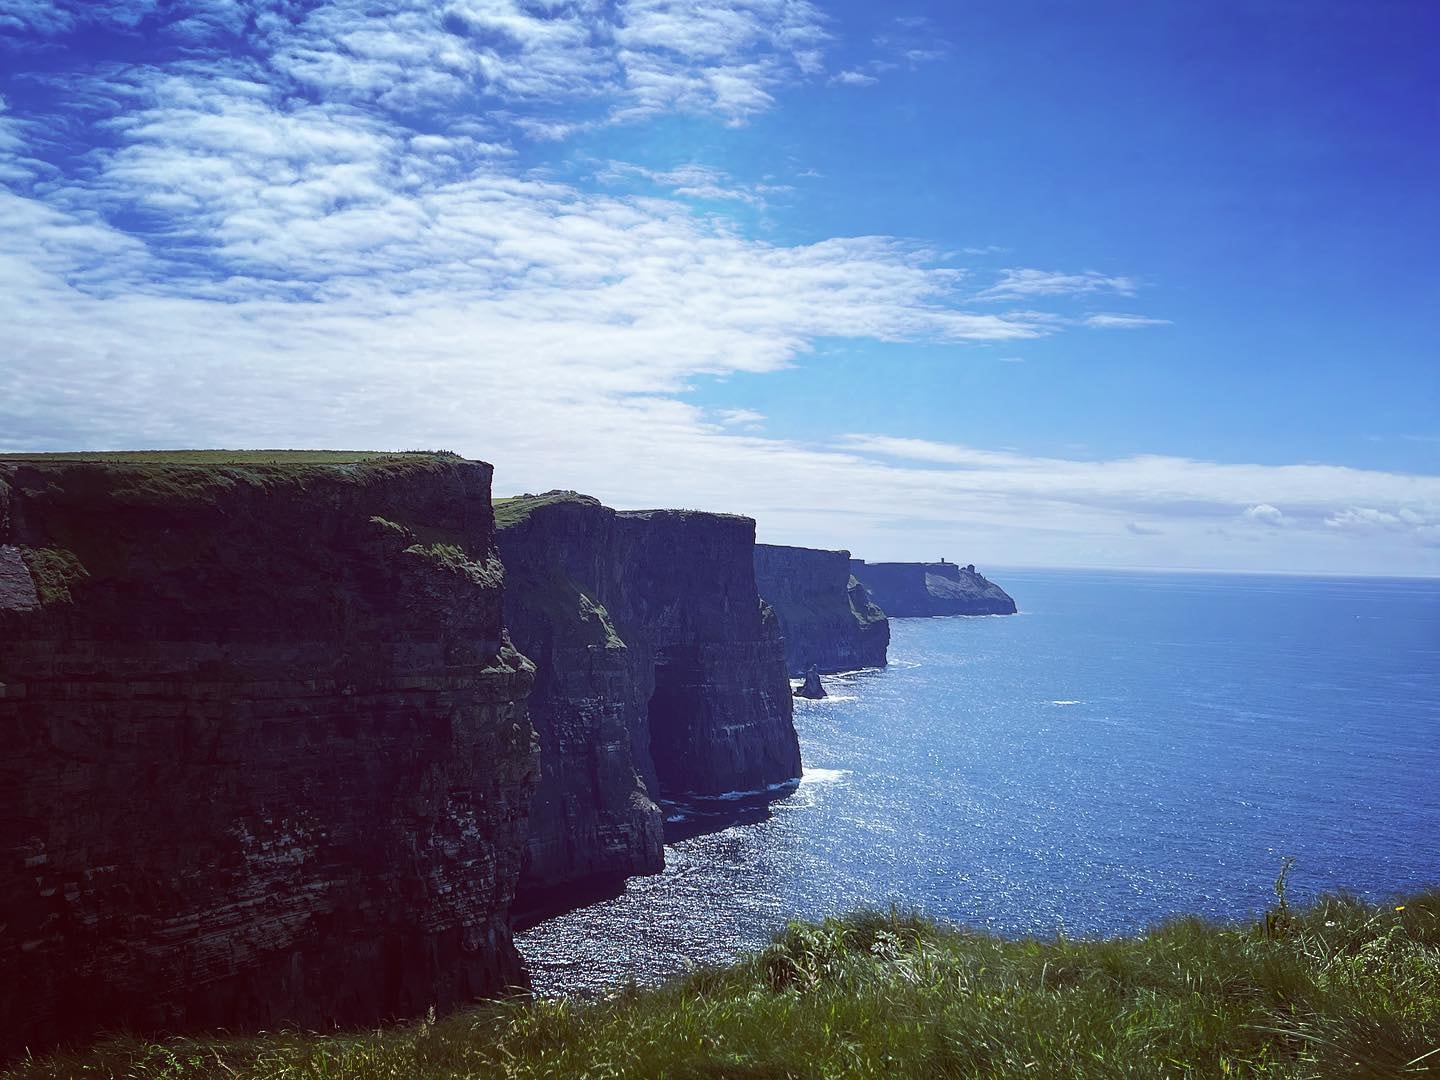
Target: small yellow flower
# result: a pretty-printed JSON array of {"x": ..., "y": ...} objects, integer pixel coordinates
[{"x": 1400, "y": 908}]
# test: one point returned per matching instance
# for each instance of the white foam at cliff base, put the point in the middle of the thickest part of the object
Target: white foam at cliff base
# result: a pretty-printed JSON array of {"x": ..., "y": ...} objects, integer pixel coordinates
[
  {"x": 731, "y": 796},
  {"x": 823, "y": 776}
]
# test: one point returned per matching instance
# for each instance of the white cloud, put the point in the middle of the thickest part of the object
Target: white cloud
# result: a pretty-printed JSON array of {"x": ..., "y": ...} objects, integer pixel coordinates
[
  {"x": 635, "y": 58},
  {"x": 297, "y": 248},
  {"x": 40, "y": 17},
  {"x": 711, "y": 56},
  {"x": 853, "y": 78},
  {"x": 1018, "y": 284},
  {"x": 1265, "y": 514},
  {"x": 744, "y": 419},
  {"x": 1368, "y": 519},
  {"x": 694, "y": 181},
  {"x": 913, "y": 39},
  {"x": 1105, "y": 321}
]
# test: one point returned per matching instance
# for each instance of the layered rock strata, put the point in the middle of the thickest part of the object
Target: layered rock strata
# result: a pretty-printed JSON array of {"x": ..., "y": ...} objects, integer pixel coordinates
[
  {"x": 827, "y": 617},
  {"x": 907, "y": 590},
  {"x": 267, "y": 757},
  {"x": 660, "y": 672}
]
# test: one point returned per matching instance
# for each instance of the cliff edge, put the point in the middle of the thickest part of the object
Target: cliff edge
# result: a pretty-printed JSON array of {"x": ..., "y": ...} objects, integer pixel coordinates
[
  {"x": 268, "y": 760},
  {"x": 908, "y": 590},
  {"x": 660, "y": 672},
  {"x": 827, "y": 618}
]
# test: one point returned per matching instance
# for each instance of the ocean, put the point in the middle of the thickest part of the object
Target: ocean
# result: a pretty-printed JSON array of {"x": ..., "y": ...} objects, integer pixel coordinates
[{"x": 1130, "y": 747}]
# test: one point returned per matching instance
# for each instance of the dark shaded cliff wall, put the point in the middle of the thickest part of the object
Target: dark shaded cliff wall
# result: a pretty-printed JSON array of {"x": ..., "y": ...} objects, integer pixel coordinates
[
  {"x": 721, "y": 714},
  {"x": 660, "y": 672},
  {"x": 593, "y": 822},
  {"x": 906, "y": 590},
  {"x": 826, "y": 616},
  {"x": 267, "y": 758}
]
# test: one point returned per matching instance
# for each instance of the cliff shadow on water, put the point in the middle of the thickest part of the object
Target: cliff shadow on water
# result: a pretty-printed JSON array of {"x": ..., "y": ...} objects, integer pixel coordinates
[{"x": 661, "y": 677}]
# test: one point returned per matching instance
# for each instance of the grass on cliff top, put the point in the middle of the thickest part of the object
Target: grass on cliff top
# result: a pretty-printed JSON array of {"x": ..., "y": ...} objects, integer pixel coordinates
[
  {"x": 1343, "y": 989},
  {"x": 516, "y": 508},
  {"x": 222, "y": 457},
  {"x": 157, "y": 477}
]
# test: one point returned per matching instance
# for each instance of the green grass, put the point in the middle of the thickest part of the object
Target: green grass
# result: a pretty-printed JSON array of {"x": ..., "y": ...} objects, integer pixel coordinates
[
  {"x": 221, "y": 457},
  {"x": 54, "y": 570},
  {"x": 516, "y": 508},
  {"x": 1343, "y": 989},
  {"x": 94, "y": 482}
]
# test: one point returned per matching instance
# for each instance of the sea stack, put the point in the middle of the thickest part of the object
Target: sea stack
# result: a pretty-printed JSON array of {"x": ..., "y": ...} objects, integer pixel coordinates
[{"x": 812, "y": 687}]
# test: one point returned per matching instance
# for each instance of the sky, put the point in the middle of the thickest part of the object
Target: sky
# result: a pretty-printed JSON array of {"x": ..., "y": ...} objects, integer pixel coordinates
[{"x": 1010, "y": 282}]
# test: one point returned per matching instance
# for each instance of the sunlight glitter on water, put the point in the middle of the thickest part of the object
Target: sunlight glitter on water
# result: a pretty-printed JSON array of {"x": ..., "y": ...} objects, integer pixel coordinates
[{"x": 1230, "y": 721}]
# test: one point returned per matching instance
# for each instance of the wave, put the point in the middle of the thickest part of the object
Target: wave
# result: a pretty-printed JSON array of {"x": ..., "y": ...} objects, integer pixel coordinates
[{"x": 823, "y": 776}]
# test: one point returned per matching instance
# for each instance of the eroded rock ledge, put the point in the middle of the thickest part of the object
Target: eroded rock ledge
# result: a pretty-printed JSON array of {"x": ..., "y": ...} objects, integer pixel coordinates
[
  {"x": 267, "y": 758},
  {"x": 827, "y": 617},
  {"x": 660, "y": 673},
  {"x": 907, "y": 590}
]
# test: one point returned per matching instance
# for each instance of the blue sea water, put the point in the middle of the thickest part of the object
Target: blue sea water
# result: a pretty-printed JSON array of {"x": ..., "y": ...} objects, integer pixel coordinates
[{"x": 1130, "y": 747}]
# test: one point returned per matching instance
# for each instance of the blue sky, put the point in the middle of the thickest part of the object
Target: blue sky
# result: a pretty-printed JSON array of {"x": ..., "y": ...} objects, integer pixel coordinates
[{"x": 1020, "y": 283}]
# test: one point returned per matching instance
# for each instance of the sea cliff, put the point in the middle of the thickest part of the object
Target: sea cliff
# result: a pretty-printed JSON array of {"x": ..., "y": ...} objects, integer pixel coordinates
[
  {"x": 660, "y": 672},
  {"x": 908, "y": 590},
  {"x": 267, "y": 756},
  {"x": 827, "y": 617}
]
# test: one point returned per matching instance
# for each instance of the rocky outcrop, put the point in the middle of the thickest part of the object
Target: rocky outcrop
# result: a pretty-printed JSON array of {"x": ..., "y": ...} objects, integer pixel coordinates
[
  {"x": 812, "y": 687},
  {"x": 659, "y": 673},
  {"x": 906, "y": 590},
  {"x": 267, "y": 759},
  {"x": 827, "y": 617}
]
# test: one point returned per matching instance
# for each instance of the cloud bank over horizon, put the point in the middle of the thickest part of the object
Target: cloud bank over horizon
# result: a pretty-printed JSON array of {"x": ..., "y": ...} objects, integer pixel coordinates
[{"x": 345, "y": 224}]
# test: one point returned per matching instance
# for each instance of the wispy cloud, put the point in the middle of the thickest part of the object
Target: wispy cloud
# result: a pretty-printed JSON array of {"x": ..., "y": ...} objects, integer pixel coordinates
[
  {"x": 636, "y": 58},
  {"x": 745, "y": 419},
  {"x": 914, "y": 40},
  {"x": 331, "y": 237},
  {"x": 712, "y": 56},
  {"x": 1022, "y": 284},
  {"x": 853, "y": 77},
  {"x": 1315, "y": 496},
  {"x": 45, "y": 18},
  {"x": 1105, "y": 321},
  {"x": 694, "y": 181}
]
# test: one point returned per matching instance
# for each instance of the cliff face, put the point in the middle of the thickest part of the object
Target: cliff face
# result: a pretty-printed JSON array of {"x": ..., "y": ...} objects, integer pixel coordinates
[
  {"x": 593, "y": 821},
  {"x": 660, "y": 672},
  {"x": 720, "y": 716},
  {"x": 267, "y": 757},
  {"x": 906, "y": 590},
  {"x": 826, "y": 616}
]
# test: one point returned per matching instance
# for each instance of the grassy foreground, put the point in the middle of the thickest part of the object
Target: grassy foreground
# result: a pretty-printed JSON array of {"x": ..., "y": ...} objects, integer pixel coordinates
[{"x": 1342, "y": 989}]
